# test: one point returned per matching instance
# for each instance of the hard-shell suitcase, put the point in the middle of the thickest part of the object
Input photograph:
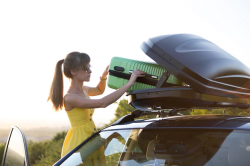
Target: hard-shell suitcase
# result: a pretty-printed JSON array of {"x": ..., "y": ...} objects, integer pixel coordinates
[{"x": 121, "y": 69}]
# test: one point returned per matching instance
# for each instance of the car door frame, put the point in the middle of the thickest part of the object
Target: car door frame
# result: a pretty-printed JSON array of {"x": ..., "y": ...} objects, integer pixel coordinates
[{"x": 26, "y": 158}]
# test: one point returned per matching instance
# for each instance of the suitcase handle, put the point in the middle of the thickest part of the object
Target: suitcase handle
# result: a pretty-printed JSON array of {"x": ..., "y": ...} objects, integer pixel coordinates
[
  {"x": 146, "y": 75},
  {"x": 119, "y": 68},
  {"x": 144, "y": 80}
]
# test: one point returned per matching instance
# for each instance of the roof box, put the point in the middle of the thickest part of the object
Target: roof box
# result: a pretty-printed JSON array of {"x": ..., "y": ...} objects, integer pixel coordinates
[
  {"x": 200, "y": 63},
  {"x": 215, "y": 78},
  {"x": 181, "y": 97}
]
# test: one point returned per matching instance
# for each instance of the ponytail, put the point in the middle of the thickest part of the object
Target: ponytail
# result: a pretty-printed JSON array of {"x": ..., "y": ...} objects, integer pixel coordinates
[
  {"x": 73, "y": 61},
  {"x": 56, "y": 89}
]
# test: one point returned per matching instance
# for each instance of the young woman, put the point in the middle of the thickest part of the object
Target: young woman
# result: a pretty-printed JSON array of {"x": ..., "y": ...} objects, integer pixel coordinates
[{"x": 78, "y": 105}]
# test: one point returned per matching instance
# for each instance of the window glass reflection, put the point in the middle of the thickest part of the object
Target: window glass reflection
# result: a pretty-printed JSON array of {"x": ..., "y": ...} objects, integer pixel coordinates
[
  {"x": 178, "y": 147},
  {"x": 104, "y": 149}
]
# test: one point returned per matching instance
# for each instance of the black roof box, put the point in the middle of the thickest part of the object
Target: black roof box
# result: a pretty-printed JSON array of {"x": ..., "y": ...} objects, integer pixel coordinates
[
  {"x": 181, "y": 97},
  {"x": 201, "y": 64}
]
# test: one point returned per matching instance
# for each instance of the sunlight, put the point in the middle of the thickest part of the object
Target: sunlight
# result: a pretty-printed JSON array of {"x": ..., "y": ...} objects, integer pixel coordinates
[{"x": 36, "y": 34}]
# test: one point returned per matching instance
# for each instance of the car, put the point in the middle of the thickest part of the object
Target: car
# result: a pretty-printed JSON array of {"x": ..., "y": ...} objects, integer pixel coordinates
[
  {"x": 175, "y": 140},
  {"x": 208, "y": 140},
  {"x": 213, "y": 80}
]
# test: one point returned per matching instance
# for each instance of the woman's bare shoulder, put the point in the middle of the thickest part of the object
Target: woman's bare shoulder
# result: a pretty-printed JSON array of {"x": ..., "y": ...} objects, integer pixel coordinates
[
  {"x": 74, "y": 100},
  {"x": 71, "y": 100},
  {"x": 71, "y": 96},
  {"x": 67, "y": 97}
]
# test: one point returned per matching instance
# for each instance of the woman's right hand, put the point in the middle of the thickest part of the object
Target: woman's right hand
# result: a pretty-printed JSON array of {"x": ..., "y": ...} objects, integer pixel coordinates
[{"x": 136, "y": 73}]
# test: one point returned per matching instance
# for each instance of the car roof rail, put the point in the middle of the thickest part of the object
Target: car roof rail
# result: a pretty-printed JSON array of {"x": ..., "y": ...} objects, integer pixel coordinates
[{"x": 159, "y": 113}]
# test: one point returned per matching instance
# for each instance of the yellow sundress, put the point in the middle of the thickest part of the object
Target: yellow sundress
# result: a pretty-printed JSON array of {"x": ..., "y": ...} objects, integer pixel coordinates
[{"x": 82, "y": 127}]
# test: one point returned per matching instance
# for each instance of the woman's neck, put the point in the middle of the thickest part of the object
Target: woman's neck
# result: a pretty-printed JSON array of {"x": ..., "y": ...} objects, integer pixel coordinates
[{"x": 76, "y": 86}]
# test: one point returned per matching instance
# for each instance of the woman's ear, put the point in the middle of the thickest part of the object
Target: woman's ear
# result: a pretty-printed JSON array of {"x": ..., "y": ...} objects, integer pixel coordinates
[{"x": 73, "y": 72}]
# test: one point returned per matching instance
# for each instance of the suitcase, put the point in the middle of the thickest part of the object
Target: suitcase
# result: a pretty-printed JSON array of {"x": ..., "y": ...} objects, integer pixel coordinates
[{"x": 121, "y": 69}]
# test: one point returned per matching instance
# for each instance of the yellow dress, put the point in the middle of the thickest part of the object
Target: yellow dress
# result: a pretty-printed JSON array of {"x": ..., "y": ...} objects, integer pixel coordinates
[{"x": 82, "y": 127}]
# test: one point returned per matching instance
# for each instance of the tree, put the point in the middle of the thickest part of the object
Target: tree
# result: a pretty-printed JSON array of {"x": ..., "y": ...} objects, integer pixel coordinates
[
  {"x": 2, "y": 147},
  {"x": 46, "y": 152},
  {"x": 122, "y": 109}
]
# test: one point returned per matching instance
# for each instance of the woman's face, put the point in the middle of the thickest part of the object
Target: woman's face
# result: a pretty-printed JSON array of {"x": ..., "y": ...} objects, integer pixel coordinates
[{"x": 83, "y": 74}]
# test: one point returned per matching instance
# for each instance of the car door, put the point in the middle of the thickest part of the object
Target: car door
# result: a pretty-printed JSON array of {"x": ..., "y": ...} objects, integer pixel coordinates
[
  {"x": 16, "y": 152},
  {"x": 104, "y": 148}
]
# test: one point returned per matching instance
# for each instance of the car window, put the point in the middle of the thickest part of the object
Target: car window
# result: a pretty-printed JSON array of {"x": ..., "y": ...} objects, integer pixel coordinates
[
  {"x": 173, "y": 147},
  {"x": 104, "y": 149},
  {"x": 16, "y": 149},
  {"x": 193, "y": 147}
]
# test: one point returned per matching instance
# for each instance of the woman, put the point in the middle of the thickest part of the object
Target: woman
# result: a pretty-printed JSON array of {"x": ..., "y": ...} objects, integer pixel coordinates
[{"x": 78, "y": 105}]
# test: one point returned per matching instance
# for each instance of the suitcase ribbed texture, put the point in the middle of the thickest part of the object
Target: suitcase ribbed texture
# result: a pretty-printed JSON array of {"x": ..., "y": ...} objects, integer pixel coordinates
[{"x": 128, "y": 64}]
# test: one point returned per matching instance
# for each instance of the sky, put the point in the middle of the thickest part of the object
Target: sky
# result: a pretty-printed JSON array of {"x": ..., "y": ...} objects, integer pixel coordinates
[{"x": 34, "y": 35}]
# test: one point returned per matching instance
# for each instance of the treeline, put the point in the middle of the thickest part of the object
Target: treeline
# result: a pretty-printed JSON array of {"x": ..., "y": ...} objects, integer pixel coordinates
[
  {"x": 44, "y": 152},
  {"x": 48, "y": 152},
  {"x": 2, "y": 146},
  {"x": 220, "y": 111}
]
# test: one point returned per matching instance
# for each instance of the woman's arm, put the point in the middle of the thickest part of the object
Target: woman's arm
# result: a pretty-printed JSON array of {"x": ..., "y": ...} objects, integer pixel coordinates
[
  {"x": 77, "y": 101},
  {"x": 100, "y": 88}
]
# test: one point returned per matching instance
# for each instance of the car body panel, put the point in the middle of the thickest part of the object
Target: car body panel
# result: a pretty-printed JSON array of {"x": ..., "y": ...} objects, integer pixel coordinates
[{"x": 189, "y": 121}]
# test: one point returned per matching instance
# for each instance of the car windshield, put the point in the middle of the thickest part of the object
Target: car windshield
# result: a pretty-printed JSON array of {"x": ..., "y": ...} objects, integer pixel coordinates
[{"x": 165, "y": 147}]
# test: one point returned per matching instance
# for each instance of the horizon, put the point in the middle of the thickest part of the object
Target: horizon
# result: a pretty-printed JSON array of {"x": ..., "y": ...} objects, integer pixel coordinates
[{"x": 36, "y": 34}]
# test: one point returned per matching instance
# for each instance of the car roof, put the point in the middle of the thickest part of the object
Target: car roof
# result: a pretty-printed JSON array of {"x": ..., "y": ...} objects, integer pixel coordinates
[{"x": 188, "y": 121}]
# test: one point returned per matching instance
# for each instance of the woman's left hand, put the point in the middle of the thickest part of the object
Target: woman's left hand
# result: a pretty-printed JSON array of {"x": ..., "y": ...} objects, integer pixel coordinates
[{"x": 105, "y": 73}]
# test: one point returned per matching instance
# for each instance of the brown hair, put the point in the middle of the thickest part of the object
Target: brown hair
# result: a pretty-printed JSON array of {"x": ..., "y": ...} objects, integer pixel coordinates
[{"x": 73, "y": 61}]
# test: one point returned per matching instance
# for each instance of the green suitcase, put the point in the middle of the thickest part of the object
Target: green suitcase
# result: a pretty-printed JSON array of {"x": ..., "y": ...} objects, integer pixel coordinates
[{"x": 120, "y": 70}]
